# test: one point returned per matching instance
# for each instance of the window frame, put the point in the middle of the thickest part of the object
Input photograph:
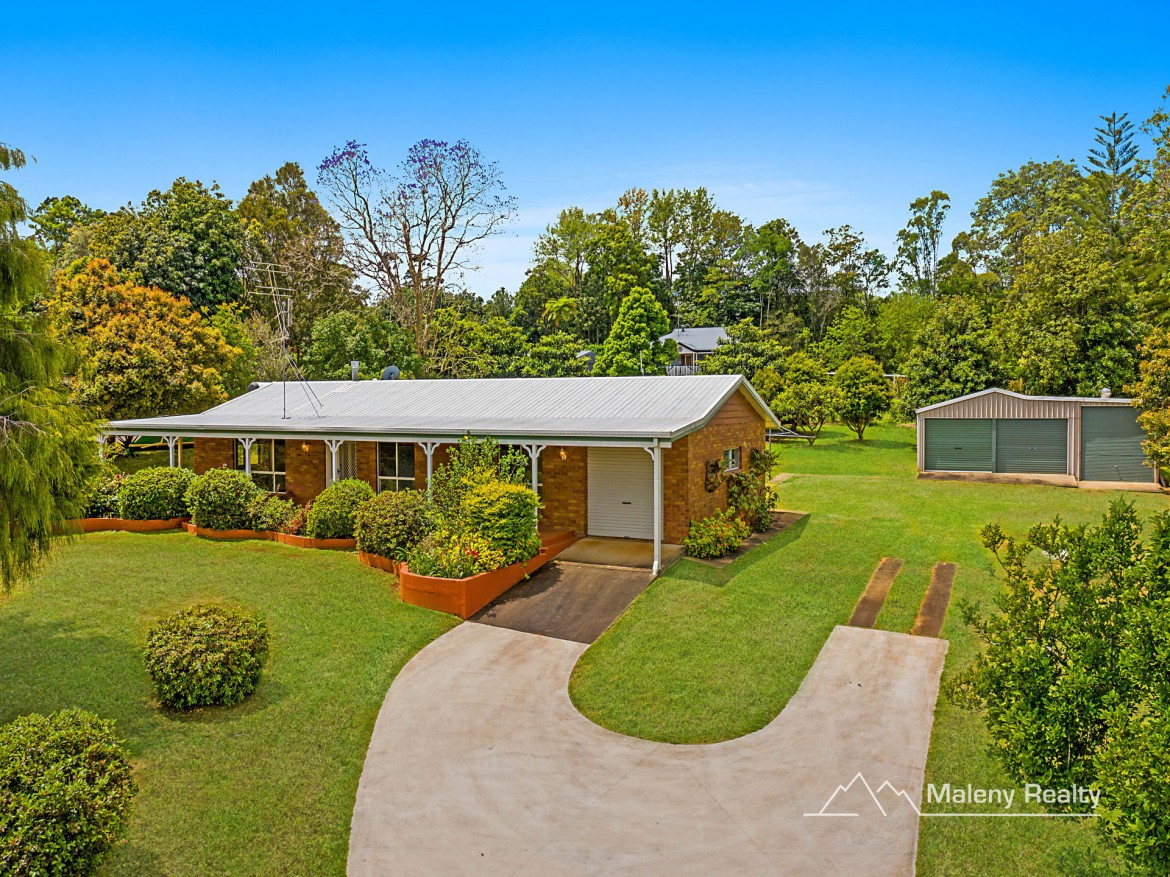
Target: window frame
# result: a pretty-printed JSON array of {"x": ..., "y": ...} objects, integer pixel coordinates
[
  {"x": 271, "y": 480},
  {"x": 397, "y": 481},
  {"x": 730, "y": 454}
]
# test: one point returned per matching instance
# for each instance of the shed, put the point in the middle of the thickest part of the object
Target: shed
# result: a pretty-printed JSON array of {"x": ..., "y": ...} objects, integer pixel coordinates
[{"x": 999, "y": 435}]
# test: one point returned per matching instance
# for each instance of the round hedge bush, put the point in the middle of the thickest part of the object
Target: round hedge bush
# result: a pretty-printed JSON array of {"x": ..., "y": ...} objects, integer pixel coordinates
[
  {"x": 157, "y": 493},
  {"x": 272, "y": 513},
  {"x": 333, "y": 512},
  {"x": 65, "y": 787},
  {"x": 391, "y": 524},
  {"x": 206, "y": 656},
  {"x": 220, "y": 499},
  {"x": 102, "y": 501}
]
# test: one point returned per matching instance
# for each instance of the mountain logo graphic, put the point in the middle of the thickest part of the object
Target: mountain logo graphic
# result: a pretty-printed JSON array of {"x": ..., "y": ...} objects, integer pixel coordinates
[{"x": 858, "y": 798}]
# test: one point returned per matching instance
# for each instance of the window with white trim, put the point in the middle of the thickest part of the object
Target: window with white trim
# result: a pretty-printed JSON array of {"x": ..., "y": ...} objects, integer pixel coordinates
[
  {"x": 395, "y": 466},
  {"x": 731, "y": 460},
  {"x": 267, "y": 463}
]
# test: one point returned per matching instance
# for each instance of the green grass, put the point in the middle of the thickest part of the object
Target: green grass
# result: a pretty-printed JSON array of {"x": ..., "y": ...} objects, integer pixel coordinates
[
  {"x": 147, "y": 459},
  {"x": 266, "y": 787},
  {"x": 707, "y": 655}
]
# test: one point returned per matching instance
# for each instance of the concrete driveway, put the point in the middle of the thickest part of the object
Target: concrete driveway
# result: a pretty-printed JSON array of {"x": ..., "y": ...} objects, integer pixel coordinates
[{"x": 480, "y": 765}]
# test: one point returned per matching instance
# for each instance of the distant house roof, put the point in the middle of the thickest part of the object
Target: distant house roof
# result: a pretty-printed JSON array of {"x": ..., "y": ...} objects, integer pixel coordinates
[
  {"x": 698, "y": 339},
  {"x": 586, "y": 408}
]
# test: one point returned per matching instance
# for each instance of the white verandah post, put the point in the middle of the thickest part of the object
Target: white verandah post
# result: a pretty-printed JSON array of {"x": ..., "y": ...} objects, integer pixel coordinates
[
  {"x": 333, "y": 444},
  {"x": 655, "y": 453},
  {"x": 247, "y": 443},
  {"x": 534, "y": 455},
  {"x": 429, "y": 448},
  {"x": 170, "y": 440}
]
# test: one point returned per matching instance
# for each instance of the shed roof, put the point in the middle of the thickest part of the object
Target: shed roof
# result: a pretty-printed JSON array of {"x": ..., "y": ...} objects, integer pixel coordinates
[
  {"x": 698, "y": 338},
  {"x": 1099, "y": 400},
  {"x": 584, "y": 408}
]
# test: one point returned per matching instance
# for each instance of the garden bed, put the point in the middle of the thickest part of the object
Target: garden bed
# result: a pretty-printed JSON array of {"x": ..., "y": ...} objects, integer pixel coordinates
[
  {"x": 465, "y": 597},
  {"x": 271, "y": 536},
  {"x": 126, "y": 525}
]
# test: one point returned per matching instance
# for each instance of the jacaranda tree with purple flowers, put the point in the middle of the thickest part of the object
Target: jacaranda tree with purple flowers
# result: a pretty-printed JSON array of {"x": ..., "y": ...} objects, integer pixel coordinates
[{"x": 411, "y": 234}]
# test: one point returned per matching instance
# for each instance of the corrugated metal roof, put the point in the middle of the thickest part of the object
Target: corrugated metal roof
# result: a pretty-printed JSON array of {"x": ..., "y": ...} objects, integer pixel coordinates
[
  {"x": 604, "y": 408},
  {"x": 698, "y": 338},
  {"x": 1101, "y": 400}
]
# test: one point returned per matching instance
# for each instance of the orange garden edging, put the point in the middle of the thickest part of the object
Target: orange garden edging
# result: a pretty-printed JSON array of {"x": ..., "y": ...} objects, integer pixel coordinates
[
  {"x": 377, "y": 561},
  {"x": 306, "y": 542},
  {"x": 125, "y": 525},
  {"x": 208, "y": 533},
  {"x": 465, "y": 597}
]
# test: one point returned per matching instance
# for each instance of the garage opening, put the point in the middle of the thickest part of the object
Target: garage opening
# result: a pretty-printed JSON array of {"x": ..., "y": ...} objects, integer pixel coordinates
[
  {"x": 620, "y": 493},
  {"x": 1111, "y": 446}
]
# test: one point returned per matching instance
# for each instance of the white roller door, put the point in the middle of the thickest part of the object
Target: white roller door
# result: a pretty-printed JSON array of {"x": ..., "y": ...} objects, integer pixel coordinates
[{"x": 621, "y": 493}]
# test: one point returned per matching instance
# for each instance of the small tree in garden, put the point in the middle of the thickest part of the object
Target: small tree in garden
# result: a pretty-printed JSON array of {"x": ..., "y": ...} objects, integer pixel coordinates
[
  {"x": 750, "y": 495},
  {"x": 1073, "y": 676},
  {"x": 632, "y": 347},
  {"x": 865, "y": 393},
  {"x": 1151, "y": 396},
  {"x": 472, "y": 462},
  {"x": 808, "y": 406}
]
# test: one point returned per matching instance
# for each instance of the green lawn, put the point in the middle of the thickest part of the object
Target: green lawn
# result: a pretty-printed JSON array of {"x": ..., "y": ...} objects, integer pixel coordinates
[
  {"x": 146, "y": 459},
  {"x": 706, "y": 654},
  {"x": 263, "y": 788}
]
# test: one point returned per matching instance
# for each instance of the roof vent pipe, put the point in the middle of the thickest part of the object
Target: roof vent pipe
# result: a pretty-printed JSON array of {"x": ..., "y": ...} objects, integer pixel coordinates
[
  {"x": 354, "y": 368},
  {"x": 1106, "y": 393}
]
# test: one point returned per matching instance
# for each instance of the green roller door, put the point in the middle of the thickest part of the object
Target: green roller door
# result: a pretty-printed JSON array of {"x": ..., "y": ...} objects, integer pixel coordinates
[
  {"x": 1032, "y": 447},
  {"x": 958, "y": 445},
  {"x": 1111, "y": 445}
]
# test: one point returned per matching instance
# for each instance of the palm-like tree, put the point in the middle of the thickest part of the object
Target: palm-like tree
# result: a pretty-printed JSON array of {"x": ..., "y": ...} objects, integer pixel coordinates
[{"x": 560, "y": 311}]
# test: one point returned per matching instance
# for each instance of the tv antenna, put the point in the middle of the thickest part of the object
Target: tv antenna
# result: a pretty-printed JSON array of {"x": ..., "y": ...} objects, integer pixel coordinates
[{"x": 270, "y": 280}]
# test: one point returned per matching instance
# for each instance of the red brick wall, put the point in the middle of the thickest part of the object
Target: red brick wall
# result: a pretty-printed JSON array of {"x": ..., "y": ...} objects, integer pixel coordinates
[
  {"x": 676, "y": 490},
  {"x": 367, "y": 463},
  {"x": 566, "y": 485},
  {"x": 736, "y": 425},
  {"x": 441, "y": 456},
  {"x": 304, "y": 469},
  {"x": 213, "y": 453}
]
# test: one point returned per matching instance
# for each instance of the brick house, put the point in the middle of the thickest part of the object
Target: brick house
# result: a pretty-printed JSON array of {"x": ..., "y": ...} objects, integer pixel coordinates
[{"x": 618, "y": 457}]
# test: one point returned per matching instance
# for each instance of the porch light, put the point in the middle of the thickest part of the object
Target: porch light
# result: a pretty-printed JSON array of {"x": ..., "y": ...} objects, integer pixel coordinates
[
  {"x": 305, "y": 447},
  {"x": 564, "y": 456}
]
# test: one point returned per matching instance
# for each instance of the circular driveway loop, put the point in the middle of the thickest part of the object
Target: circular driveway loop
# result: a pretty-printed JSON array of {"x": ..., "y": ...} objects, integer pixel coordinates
[{"x": 480, "y": 765}]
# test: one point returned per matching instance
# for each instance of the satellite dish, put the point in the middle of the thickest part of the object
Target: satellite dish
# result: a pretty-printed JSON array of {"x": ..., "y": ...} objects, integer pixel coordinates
[
  {"x": 255, "y": 385},
  {"x": 391, "y": 373},
  {"x": 589, "y": 356}
]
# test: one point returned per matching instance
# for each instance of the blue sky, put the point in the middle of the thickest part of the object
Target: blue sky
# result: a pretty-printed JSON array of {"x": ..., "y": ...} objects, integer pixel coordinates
[{"x": 821, "y": 114}]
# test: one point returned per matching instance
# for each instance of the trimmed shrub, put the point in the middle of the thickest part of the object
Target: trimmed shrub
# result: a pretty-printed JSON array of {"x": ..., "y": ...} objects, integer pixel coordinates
[
  {"x": 715, "y": 536},
  {"x": 391, "y": 524},
  {"x": 156, "y": 493},
  {"x": 505, "y": 515},
  {"x": 103, "y": 495},
  {"x": 295, "y": 526},
  {"x": 220, "y": 500},
  {"x": 65, "y": 787},
  {"x": 333, "y": 511},
  {"x": 453, "y": 555},
  {"x": 206, "y": 656},
  {"x": 271, "y": 512}
]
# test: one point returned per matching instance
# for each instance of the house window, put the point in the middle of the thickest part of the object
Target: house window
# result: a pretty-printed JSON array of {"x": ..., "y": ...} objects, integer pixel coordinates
[
  {"x": 267, "y": 463},
  {"x": 395, "y": 466},
  {"x": 731, "y": 459}
]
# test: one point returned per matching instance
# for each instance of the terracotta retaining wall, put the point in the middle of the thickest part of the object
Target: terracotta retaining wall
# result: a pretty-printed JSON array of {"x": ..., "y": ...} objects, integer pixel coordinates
[
  {"x": 465, "y": 597},
  {"x": 271, "y": 536},
  {"x": 125, "y": 525}
]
